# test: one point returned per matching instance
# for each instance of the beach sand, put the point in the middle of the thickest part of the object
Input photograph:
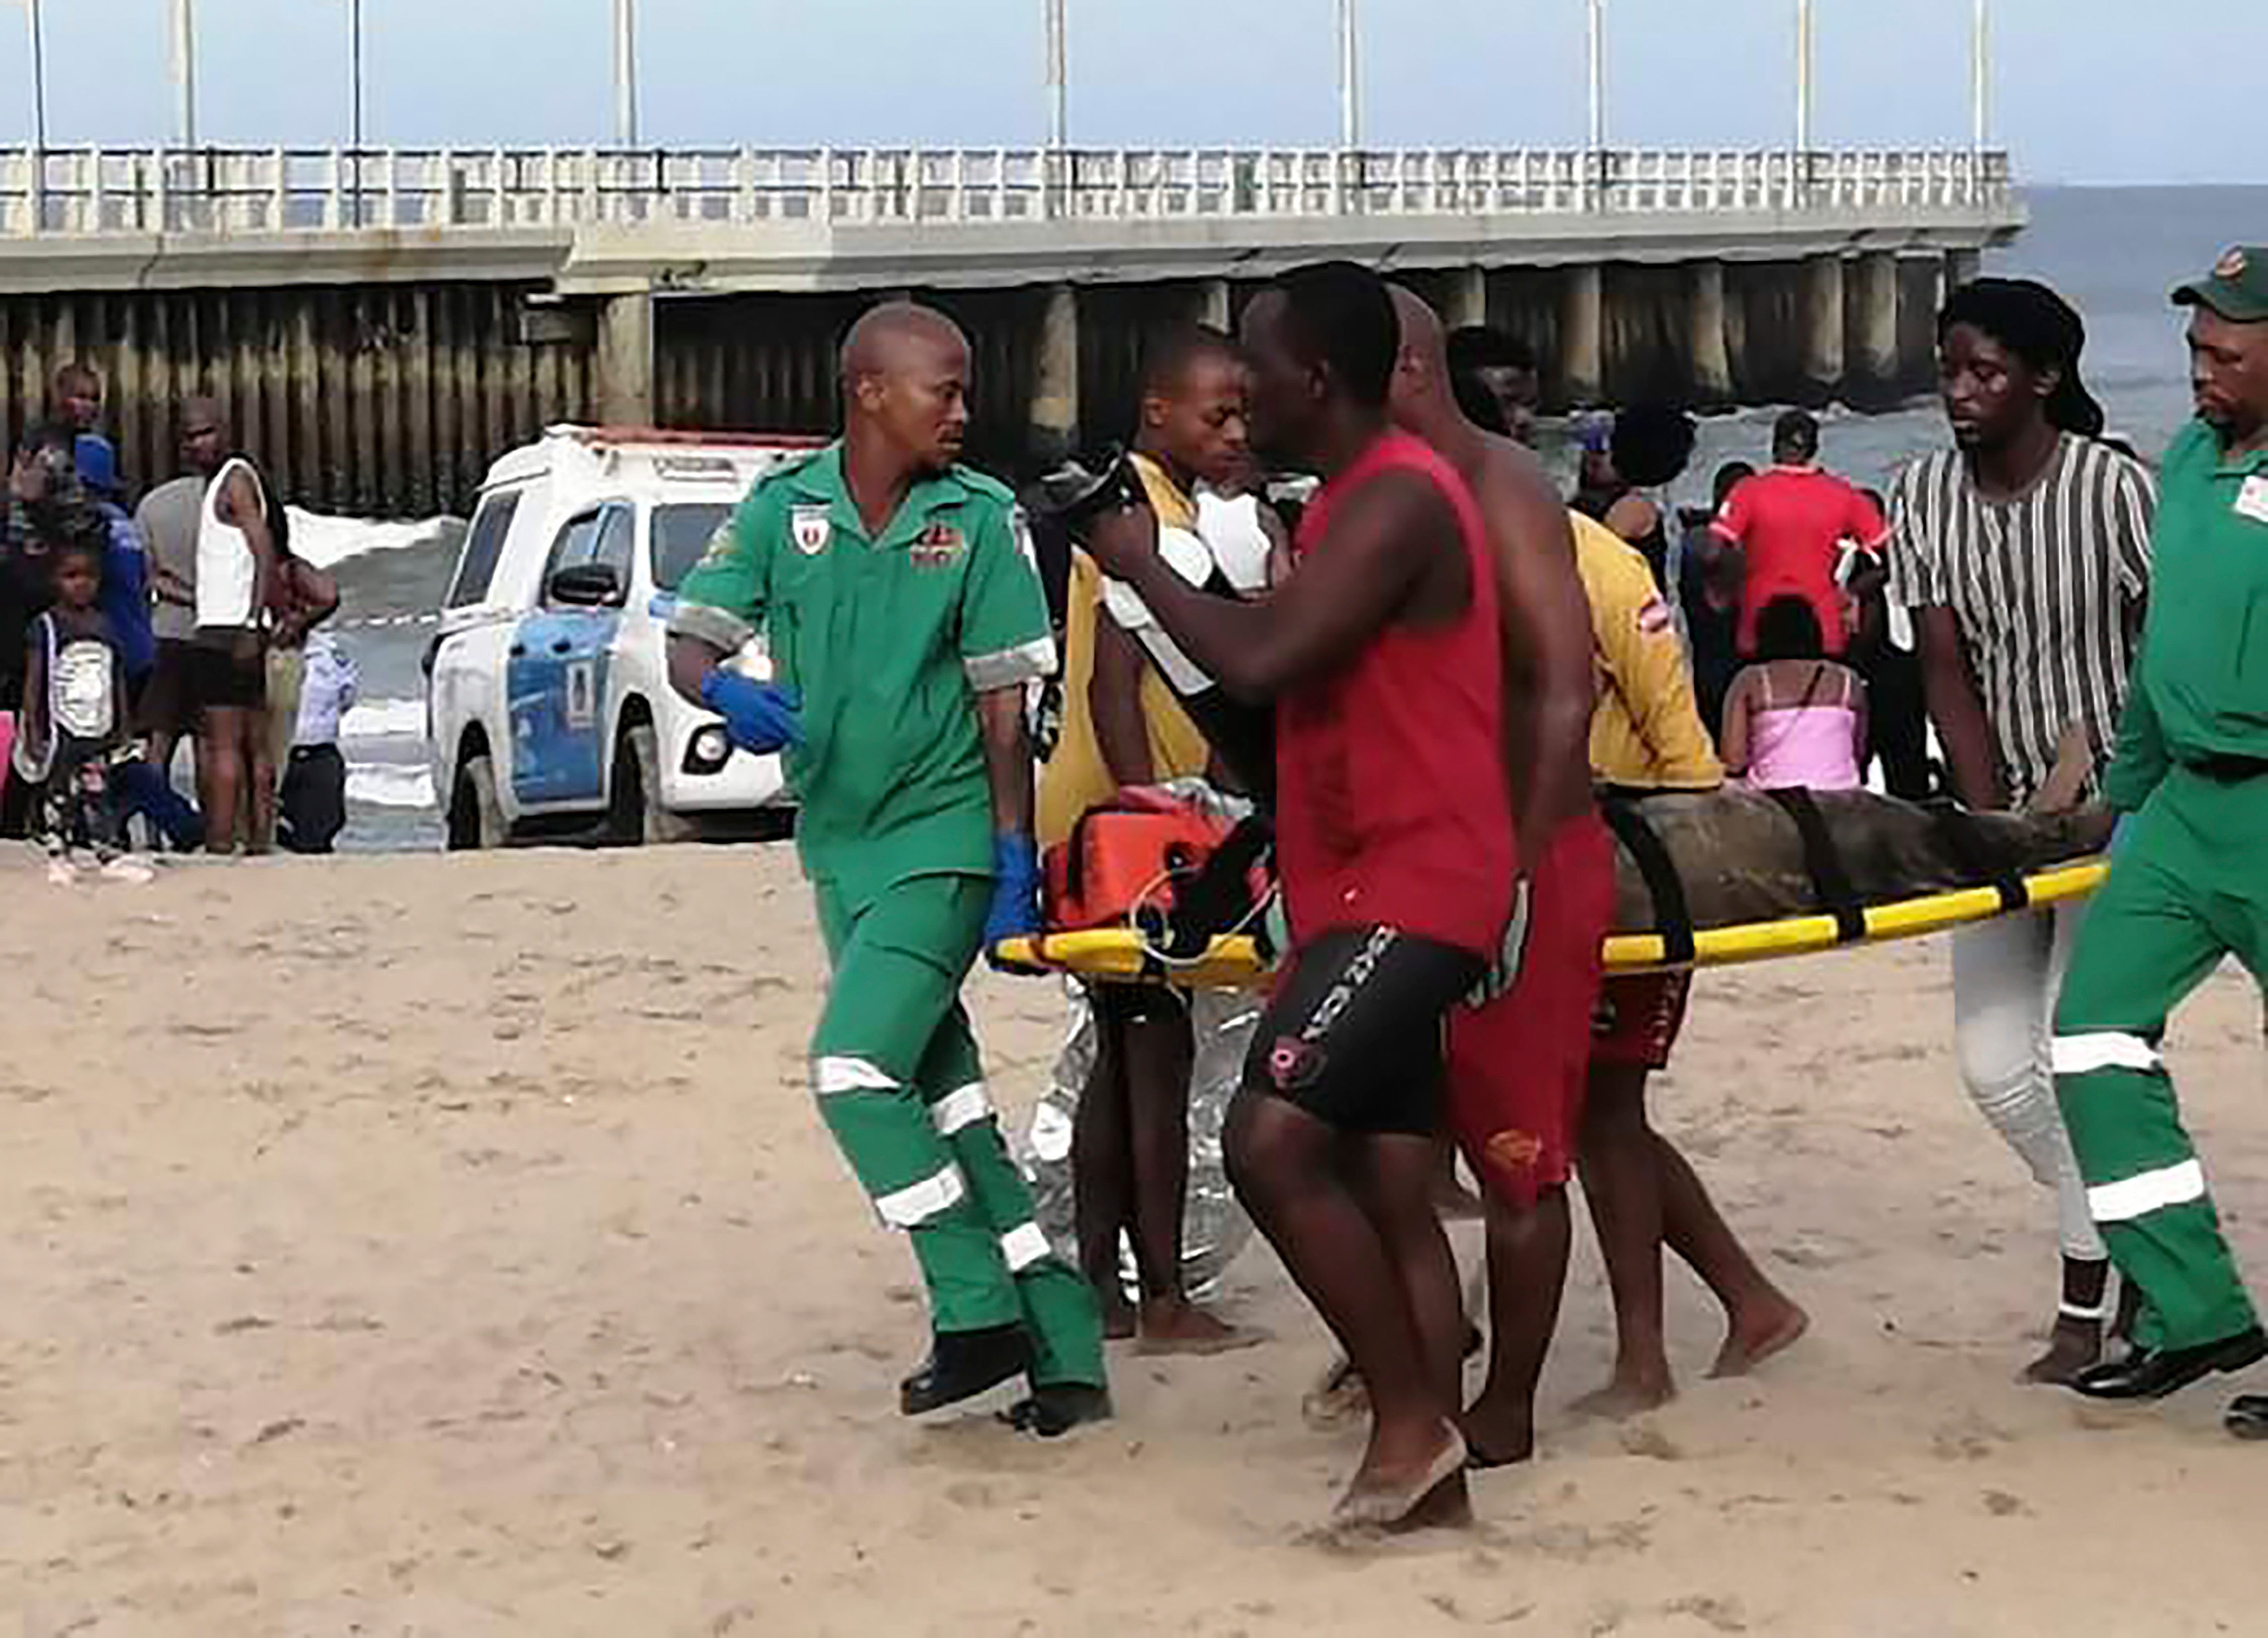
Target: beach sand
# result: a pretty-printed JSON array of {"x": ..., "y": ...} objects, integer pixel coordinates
[{"x": 448, "y": 1246}]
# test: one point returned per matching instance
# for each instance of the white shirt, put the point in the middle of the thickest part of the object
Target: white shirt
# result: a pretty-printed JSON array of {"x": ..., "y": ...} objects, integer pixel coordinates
[
  {"x": 332, "y": 684},
  {"x": 226, "y": 569}
]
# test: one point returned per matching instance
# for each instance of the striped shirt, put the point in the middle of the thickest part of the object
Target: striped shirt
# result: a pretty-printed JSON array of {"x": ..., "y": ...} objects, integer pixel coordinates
[{"x": 2048, "y": 586}]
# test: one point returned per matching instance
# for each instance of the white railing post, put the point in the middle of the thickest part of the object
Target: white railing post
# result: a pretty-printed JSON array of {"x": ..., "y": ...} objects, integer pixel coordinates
[
  {"x": 278, "y": 192},
  {"x": 498, "y": 192},
  {"x": 389, "y": 192}
]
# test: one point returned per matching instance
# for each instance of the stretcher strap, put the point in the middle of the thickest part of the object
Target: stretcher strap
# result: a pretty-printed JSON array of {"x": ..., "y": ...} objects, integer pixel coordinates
[
  {"x": 1219, "y": 898},
  {"x": 1672, "y": 921},
  {"x": 1823, "y": 860},
  {"x": 1978, "y": 860}
]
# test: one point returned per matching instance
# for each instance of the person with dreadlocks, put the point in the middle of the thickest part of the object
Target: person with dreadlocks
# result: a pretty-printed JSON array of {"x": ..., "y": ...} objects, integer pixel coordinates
[{"x": 2024, "y": 553}]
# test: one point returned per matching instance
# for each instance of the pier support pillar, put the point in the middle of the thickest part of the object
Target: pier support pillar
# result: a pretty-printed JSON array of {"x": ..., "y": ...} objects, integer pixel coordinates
[
  {"x": 1877, "y": 372},
  {"x": 1962, "y": 267},
  {"x": 1215, "y": 304},
  {"x": 1824, "y": 317},
  {"x": 1054, "y": 377},
  {"x": 1465, "y": 301},
  {"x": 626, "y": 352},
  {"x": 1583, "y": 336},
  {"x": 1712, "y": 358}
]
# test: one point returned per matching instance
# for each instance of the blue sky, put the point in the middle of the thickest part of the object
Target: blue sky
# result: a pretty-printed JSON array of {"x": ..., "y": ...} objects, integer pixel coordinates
[{"x": 2088, "y": 89}]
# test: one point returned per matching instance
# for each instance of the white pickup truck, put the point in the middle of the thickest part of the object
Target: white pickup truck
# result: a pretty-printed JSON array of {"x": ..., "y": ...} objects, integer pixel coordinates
[{"x": 548, "y": 709}]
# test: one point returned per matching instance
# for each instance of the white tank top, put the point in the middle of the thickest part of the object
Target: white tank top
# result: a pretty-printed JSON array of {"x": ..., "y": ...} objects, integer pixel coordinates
[{"x": 226, "y": 569}]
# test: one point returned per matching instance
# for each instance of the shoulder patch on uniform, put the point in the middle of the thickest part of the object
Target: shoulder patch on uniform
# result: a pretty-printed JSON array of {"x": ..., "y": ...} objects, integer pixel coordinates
[
  {"x": 722, "y": 541},
  {"x": 1654, "y": 617}
]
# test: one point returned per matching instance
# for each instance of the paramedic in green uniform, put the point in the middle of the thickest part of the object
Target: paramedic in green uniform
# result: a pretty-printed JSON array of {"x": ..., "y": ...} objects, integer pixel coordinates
[
  {"x": 2189, "y": 881},
  {"x": 904, "y": 621}
]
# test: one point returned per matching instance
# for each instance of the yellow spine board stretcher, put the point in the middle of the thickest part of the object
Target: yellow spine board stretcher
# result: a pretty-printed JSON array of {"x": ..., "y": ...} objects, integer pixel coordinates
[{"x": 1119, "y": 953}]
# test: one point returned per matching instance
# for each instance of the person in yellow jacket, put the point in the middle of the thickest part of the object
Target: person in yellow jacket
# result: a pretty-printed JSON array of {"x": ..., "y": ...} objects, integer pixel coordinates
[
  {"x": 1123, "y": 725},
  {"x": 1646, "y": 735}
]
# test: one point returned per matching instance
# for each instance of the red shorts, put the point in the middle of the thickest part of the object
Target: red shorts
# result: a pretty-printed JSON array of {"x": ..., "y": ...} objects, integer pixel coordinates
[
  {"x": 1639, "y": 1017},
  {"x": 1517, "y": 1063}
]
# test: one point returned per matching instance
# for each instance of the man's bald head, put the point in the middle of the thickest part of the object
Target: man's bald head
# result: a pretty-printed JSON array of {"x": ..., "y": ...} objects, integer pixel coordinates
[
  {"x": 204, "y": 435},
  {"x": 894, "y": 336},
  {"x": 1424, "y": 344},
  {"x": 1423, "y": 402},
  {"x": 905, "y": 384}
]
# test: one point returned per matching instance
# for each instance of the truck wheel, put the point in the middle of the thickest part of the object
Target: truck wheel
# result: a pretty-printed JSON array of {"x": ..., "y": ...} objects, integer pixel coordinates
[
  {"x": 476, "y": 817},
  {"x": 634, "y": 815}
]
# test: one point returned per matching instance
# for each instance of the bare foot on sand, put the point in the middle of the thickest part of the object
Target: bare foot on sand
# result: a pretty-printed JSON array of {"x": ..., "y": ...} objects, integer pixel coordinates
[
  {"x": 1172, "y": 1325},
  {"x": 1628, "y": 1395},
  {"x": 1497, "y": 1441},
  {"x": 1390, "y": 1492},
  {"x": 1339, "y": 1398},
  {"x": 1758, "y": 1335},
  {"x": 2072, "y": 1346}
]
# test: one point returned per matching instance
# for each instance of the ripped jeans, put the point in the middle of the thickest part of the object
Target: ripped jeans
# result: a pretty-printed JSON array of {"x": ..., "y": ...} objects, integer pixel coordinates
[{"x": 2005, "y": 974}]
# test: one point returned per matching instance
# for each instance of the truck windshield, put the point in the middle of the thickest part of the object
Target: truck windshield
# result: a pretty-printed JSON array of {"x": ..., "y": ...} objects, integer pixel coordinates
[{"x": 681, "y": 534}]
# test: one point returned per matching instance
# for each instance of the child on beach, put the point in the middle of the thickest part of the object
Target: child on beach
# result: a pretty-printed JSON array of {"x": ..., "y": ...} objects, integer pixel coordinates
[
  {"x": 74, "y": 713},
  {"x": 1795, "y": 719}
]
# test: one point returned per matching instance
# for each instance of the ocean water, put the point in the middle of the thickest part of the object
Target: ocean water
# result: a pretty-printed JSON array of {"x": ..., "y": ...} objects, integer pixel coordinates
[{"x": 2115, "y": 253}]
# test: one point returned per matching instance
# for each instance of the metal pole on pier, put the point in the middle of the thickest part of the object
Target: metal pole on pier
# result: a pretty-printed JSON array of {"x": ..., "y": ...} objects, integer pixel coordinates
[
  {"x": 1350, "y": 41},
  {"x": 1598, "y": 42},
  {"x": 626, "y": 101},
  {"x": 38, "y": 76},
  {"x": 1980, "y": 66},
  {"x": 1058, "y": 62},
  {"x": 184, "y": 64},
  {"x": 354, "y": 71},
  {"x": 1804, "y": 60}
]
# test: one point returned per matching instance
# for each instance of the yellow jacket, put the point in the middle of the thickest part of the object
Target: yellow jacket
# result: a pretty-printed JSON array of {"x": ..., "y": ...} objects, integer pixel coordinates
[{"x": 1647, "y": 732}]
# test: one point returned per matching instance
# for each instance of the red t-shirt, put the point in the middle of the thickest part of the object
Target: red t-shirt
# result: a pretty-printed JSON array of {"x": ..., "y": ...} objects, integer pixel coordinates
[
  {"x": 1392, "y": 806},
  {"x": 1793, "y": 522}
]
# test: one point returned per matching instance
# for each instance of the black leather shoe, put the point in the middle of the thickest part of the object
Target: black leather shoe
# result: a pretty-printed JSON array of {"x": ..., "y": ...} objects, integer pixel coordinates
[
  {"x": 2248, "y": 1416},
  {"x": 962, "y": 1364},
  {"x": 1054, "y": 1411},
  {"x": 2153, "y": 1374}
]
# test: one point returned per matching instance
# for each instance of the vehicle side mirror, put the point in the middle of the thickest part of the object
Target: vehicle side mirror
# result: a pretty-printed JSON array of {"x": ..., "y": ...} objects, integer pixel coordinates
[{"x": 586, "y": 586}]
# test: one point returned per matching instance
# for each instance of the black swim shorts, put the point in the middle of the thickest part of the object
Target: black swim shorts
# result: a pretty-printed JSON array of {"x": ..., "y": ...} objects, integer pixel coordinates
[
  {"x": 1354, "y": 1035},
  {"x": 219, "y": 679}
]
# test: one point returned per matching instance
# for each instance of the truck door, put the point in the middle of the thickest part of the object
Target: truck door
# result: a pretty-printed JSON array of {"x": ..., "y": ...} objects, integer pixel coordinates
[{"x": 557, "y": 665}]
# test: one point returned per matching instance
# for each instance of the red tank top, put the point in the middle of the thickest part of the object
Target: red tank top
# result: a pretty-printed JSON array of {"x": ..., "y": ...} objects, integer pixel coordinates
[{"x": 1392, "y": 807}]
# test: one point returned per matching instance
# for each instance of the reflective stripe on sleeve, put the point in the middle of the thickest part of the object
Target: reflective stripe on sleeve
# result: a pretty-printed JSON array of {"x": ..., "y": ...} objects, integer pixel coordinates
[
  {"x": 1025, "y": 1245},
  {"x": 957, "y": 1112},
  {"x": 911, "y": 1208},
  {"x": 1026, "y": 663},
  {"x": 2085, "y": 1054},
  {"x": 2122, "y": 1202},
  {"x": 716, "y": 627},
  {"x": 831, "y": 1075}
]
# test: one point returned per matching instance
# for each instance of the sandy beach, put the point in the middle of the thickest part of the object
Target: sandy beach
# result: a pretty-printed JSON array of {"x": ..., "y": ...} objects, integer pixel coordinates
[{"x": 447, "y": 1246}]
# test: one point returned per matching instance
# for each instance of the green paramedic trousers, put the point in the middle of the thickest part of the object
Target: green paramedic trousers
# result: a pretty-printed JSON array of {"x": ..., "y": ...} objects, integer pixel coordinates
[
  {"x": 2190, "y": 887},
  {"x": 898, "y": 1078}
]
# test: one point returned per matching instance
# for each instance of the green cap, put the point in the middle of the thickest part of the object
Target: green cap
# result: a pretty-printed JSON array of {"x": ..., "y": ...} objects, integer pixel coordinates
[{"x": 2237, "y": 290}]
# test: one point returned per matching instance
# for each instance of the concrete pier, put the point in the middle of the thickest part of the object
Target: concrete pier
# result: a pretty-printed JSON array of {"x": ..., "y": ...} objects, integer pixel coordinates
[
  {"x": 378, "y": 361},
  {"x": 1583, "y": 337},
  {"x": 1710, "y": 329},
  {"x": 1054, "y": 401},
  {"x": 626, "y": 359},
  {"x": 1826, "y": 325}
]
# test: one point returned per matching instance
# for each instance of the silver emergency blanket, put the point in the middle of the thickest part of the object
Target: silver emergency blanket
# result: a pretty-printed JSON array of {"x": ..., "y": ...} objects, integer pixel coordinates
[{"x": 1216, "y": 1230}]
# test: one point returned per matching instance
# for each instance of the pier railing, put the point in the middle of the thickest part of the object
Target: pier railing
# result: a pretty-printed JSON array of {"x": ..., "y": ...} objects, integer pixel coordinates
[{"x": 85, "y": 192}]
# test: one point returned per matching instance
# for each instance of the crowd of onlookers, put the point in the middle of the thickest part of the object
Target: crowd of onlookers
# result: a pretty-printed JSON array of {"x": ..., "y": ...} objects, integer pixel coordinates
[{"x": 126, "y": 634}]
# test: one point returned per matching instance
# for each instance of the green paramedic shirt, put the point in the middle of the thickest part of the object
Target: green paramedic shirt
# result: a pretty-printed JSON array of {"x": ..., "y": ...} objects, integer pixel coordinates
[
  {"x": 890, "y": 641},
  {"x": 2201, "y": 690}
]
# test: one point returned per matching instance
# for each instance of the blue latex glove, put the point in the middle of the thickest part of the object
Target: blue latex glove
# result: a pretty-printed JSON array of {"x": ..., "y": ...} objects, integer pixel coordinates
[
  {"x": 761, "y": 718},
  {"x": 2121, "y": 833},
  {"x": 1015, "y": 912}
]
